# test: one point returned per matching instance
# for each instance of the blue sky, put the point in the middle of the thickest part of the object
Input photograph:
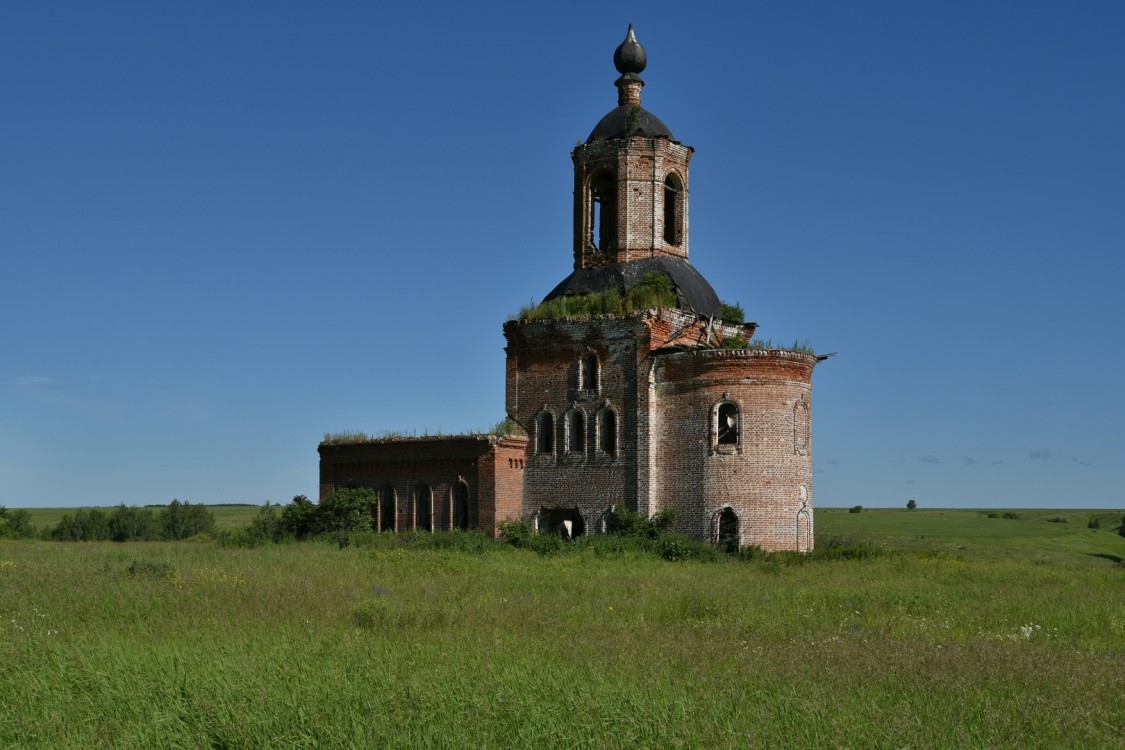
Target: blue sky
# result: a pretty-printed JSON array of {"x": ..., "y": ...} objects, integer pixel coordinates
[{"x": 229, "y": 228}]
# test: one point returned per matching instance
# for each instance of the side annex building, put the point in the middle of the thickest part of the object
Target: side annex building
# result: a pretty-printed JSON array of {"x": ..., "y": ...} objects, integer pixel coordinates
[{"x": 658, "y": 404}]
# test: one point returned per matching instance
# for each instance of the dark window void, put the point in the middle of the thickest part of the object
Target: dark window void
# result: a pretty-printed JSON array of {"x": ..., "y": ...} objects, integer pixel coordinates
[
  {"x": 423, "y": 505},
  {"x": 673, "y": 210},
  {"x": 461, "y": 507},
  {"x": 607, "y": 431},
  {"x": 727, "y": 427},
  {"x": 545, "y": 434},
  {"x": 576, "y": 432},
  {"x": 728, "y": 531},
  {"x": 588, "y": 373},
  {"x": 387, "y": 509},
  {"x": 603, "y": 203}
]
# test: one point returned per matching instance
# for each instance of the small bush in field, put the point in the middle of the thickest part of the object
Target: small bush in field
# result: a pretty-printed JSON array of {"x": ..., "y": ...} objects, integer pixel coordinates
[
  {"x": 1009, "y": 514},
  {"x": 856, "y": 509}
]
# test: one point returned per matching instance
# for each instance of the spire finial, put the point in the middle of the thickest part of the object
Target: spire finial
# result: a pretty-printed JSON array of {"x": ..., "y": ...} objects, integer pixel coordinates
[{"x": 629, "y": 57}]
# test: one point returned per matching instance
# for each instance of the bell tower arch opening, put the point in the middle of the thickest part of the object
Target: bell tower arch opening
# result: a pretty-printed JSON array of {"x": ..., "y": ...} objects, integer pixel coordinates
[{"x": 603, "y": 212}]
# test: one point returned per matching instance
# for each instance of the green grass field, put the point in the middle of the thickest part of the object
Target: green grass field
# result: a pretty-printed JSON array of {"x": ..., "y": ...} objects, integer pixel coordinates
[{"x": 971, "y": 632}]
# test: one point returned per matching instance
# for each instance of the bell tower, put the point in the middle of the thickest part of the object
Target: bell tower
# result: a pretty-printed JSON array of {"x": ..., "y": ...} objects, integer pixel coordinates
[{"x": 630, "y": 179}]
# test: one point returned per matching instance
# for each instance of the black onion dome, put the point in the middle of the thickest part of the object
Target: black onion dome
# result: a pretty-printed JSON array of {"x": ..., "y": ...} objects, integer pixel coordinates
[
  {"x": 629, "y": 57},
  {"x": 693, "y": 291}
]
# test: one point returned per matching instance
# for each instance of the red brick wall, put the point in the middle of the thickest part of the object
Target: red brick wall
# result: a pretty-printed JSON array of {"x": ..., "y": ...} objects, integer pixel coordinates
[
  {"x": 439, "y": 462},
  {"x": 760, "y": 477},
  {"x": 665, "y": 403}
]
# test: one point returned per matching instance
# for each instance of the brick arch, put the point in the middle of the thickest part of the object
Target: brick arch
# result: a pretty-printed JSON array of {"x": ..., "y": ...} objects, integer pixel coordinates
[
  {"x": 546, "y": 427},
  {"x": 675, "y": 207},
  {"x": 602, "y": 219},
  {"x": 726, "y": 528},
  {"x": 608, "y": 430},
  {"x": 726, "y": 426},
  {"x": 575, "y": 430},
  {"x": 804, "y": 530}
]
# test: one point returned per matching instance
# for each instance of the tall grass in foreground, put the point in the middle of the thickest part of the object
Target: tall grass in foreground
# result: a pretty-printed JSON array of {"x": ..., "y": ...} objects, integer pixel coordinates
[{"x": 304, "y": 645}]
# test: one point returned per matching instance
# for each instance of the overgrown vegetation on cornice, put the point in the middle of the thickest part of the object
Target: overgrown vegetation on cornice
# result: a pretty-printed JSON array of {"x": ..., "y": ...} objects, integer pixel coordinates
[
  {"x": 736, "y": 342},
  {"x": 503, "y": 428}
]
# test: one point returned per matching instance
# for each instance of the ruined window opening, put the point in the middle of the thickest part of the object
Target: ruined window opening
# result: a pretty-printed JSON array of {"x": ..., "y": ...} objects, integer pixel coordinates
[
  {"x": 603, "y": 209},
  {"x": 387, "y": 509},
  {"x": 673, "y": 210},
  {"x": 461, "y": 506},
  {"x": 423, "y": 508},
  {"x": 576, "y": 431},
  {"x": 607, "y": 431},
  {"x": 588, "y": 373},
  {"x": 545, "y": 433},
  {"x": 726, "y": 427}
]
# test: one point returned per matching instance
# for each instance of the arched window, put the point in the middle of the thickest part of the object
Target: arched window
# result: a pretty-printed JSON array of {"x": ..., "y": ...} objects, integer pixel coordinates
[
  {"x": 387, "y": 509},
  {"x": 461, "y": 506},
  {"x": 607, "y": 431},
  {"x": 545, "y": 432},
  {"x": 588, "y": 372},
  {"x": 726, "y": 424},
  {"x": 673, "y": 209},
  {"x": 423, "y": 507},
  {"x": 603, "y": 207},
  {"x": 575, "y": 431}
]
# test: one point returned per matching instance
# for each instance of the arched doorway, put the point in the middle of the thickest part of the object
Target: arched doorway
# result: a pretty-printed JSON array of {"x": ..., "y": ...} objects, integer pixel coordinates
[{"x": 728, "y": 536}]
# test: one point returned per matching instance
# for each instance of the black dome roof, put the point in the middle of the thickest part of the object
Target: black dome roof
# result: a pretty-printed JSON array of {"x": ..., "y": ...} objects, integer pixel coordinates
[
  {"x": 694, "y": 292},
  {"x": 625, "y": 121}
]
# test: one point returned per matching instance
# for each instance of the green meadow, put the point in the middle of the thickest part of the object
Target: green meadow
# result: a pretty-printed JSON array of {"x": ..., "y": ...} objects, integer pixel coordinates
[{"x": 967, "y": 632}]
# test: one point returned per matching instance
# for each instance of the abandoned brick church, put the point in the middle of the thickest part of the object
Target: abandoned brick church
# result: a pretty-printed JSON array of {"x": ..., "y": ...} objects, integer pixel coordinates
[{"x": 657, "y": 403}]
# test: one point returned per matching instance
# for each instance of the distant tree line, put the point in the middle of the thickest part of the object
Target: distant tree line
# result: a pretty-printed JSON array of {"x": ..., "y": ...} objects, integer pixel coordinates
[{"x": 128, "y": 523}]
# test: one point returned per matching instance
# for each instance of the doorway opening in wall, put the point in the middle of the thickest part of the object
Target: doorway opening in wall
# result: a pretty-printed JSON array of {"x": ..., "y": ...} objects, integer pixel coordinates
[
  {"x": 728, "y": 531},
  {"x": 387, "y": 509},
  {"x": 461, "y": 506},
  {"x": 423, "y": 508},
  {"x": 566, "y": 522}
]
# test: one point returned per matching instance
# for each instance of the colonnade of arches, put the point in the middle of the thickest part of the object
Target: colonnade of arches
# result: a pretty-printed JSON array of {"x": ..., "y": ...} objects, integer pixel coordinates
[{"x": 419, "y": 512}]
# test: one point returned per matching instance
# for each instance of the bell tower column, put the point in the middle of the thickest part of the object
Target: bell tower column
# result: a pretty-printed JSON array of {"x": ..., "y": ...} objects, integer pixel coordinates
[{"x": 630, "y": 178}]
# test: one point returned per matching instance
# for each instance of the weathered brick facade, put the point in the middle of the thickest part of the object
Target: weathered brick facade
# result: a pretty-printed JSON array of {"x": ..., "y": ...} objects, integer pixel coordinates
[
  {"x": 667, "y": 390},
  {"x": 658, "y": 409},
  {"x": 432, "y": 483}
]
